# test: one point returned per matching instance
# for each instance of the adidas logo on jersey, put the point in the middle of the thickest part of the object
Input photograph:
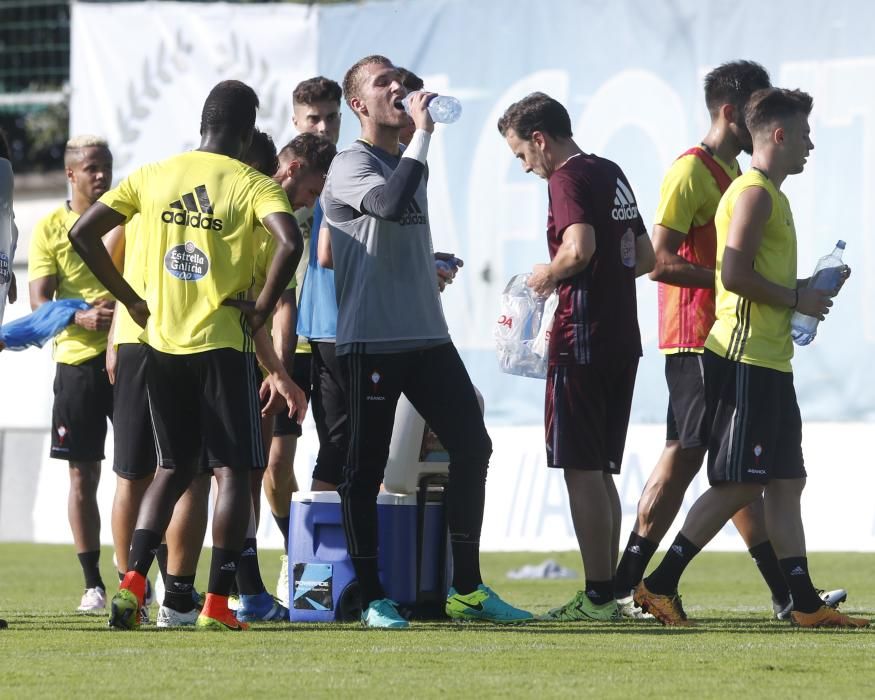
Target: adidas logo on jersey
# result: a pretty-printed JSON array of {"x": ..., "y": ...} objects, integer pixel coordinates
[
  {"x": 625, "y": 208},
  {"x": 412, "y": 215},
  {"x": 192, "y": 209}
]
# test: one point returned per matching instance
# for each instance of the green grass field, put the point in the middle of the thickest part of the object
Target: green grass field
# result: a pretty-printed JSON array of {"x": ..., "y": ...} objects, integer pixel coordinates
[{"x": 737, "y": 650}]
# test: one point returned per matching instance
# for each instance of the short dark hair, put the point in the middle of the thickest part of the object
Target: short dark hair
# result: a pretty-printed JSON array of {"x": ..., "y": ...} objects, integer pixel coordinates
[
  {"x": 733, "y": 83},
  {"x": 230, "y": 106},
  {"x": 771, "y": 105},
  {"x": 536, "y": 112},
  {"x": 352, "y": 79},
  {"x": 262, "y": 153},
  {"x": 316, "y": 152},
  {"x": 410, "y": 80},
  {"x": 318, "y": 89}
]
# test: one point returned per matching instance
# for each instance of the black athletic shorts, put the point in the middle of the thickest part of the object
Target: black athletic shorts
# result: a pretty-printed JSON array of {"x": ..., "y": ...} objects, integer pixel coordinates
[
  {"x": 134, "y": 454},
  {"x": 302, "y": 375},
  {"x": 685, "y": 418},
  {"x": 205, "y": 409},
  {"x": 586, "y": 414},
  {"x": 756, "y": 427},
  {"x": 83, "y": 402}
]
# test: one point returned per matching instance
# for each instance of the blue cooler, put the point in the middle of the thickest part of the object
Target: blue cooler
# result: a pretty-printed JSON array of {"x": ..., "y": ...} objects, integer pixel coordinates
[{"x": 322, "y": 584}]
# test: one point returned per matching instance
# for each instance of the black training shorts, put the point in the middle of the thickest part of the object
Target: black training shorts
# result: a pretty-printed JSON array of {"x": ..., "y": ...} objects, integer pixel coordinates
[
  {"x": 83, "y": 402},
  {"x": 756, "y": 427},
  {"x": 685, "y": 418},
  {"x": 134, "y": 454},
  {"x": 205, "y": 409}
]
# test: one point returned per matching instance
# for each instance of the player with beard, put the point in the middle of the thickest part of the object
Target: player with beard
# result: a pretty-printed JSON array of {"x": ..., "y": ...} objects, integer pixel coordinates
[
  {"x": 684, "y": 240},
  {"x": 755, "y": 439}
]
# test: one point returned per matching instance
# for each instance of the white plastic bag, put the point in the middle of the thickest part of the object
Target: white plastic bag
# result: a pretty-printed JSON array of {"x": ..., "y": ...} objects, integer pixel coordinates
[{"x": 522, "y": 330}]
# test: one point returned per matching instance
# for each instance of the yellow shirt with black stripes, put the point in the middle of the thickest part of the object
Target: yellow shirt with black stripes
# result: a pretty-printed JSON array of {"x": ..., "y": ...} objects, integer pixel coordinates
[{"x": 745, "y": 331}]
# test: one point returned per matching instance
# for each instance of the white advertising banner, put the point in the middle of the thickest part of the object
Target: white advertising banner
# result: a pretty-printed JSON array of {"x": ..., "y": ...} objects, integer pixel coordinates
[{"x": 140, "y": 71}]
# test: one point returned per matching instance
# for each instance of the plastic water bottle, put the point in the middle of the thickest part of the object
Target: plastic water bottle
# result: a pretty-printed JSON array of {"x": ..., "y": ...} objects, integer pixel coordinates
[
  {"x": 442, "y": 108},
  {"x": 827, "y": 275}
]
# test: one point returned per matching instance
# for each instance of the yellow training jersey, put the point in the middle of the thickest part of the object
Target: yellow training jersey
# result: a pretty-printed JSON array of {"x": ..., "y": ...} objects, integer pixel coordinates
[
  {"x": 746, "y": 331},
  {"x": 265, "y": 249},
  {"x": 689, "y": 194},
  {"x": 126, "y": 330},
  {"x": 688, "y": 198},
  {"x": 197, "y": 213},
  {"x": 52, "y": 255},
  {"x": 304, "y": 217}
]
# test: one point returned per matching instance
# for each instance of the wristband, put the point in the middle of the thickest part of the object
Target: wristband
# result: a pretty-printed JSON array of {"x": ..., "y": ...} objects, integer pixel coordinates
[{"x": 418, "y": 146}]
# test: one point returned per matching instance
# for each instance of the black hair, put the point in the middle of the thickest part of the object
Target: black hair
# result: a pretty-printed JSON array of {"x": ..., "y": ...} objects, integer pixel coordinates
[
  {"x": 536, "y": 112},
  {"x": 733, "y": 83},
  {"x": 262, "y": 153},
  {"x": 771, "y": 105},
  {"x": 314, "y": 151},
  {"x": 230, "y": 106},
  {"x": 318, "y": 89}
]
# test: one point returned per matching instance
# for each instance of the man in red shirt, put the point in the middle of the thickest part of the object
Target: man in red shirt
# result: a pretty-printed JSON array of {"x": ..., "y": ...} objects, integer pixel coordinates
[{"x": 598, "y": 246}]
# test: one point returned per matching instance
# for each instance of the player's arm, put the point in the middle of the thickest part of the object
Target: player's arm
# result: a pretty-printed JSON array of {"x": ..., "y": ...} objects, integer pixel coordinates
[
  {"x": 323, "y": 248},
  {"x": 289, "y": 247},
  {"x": 115, "y": 244},
  {"x": 42, "y": 290},
  {"x": 285, "y": 325},
  {"x": 278, "y": 385},
  {"x": 86, "y": 236},
  {"x": 390, "y": 200},
  {"x": 573, "y": 255},
  {"x": 645, "y": 258},
  {"x": 670, "y": 267},
  {"x": 746, "y": 227}
]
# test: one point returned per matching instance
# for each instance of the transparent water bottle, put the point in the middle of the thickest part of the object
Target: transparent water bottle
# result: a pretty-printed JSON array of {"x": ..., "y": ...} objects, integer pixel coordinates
[
  {"x": 827, "y": 275},
  {"x": 442, "y": 108}
]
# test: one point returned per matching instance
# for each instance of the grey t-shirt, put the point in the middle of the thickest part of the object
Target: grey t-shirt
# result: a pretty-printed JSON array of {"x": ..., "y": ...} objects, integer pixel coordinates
[{"x": 384, "y": 274}]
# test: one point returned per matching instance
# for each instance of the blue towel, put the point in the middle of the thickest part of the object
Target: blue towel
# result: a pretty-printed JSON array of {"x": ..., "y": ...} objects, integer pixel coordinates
[{"x": 42, "y": 325}]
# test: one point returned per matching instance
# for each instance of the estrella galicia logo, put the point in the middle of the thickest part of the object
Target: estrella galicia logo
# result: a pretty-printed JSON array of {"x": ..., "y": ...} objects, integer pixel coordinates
[
  {"x": 187, "y": 262},
  {"x": 4, "y": 269},
  {"x": 192, "y": 209},
  {"x": 413, "y": 215}
]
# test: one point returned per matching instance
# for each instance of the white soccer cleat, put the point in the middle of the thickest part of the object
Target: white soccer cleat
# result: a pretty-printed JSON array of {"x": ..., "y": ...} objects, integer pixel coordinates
[
  {"x": 282, "y": 583},
  {"x": 834, "y": 598},
  {"x": 94, "y": 599},
  {"x": 168, "y": 617},
  {"x": 631, "y": 610}
]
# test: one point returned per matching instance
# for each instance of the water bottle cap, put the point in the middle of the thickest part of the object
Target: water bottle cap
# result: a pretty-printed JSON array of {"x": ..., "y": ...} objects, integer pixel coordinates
[{"x": 840, "y": 244}]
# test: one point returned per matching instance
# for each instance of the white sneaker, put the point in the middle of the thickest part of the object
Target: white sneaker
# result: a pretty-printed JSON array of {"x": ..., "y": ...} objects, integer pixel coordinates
[
  {"x": 630, "y": 609},
  {"x": 282, "y": 583},
  {"x": 93, "y": 599},
  {"x": 168, "y": 617}
]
